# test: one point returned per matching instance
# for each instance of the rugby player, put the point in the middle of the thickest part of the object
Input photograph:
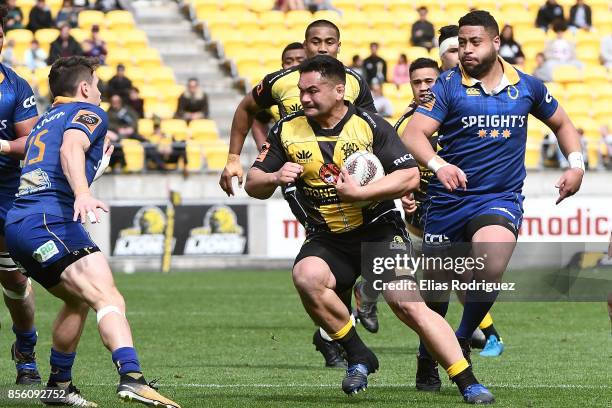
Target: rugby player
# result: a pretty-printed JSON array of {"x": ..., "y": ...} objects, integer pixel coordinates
[
  {"x": 292, "y": 56},
  {"x": 17, "y": 116},
  {"x": 66, "y": 150},
  {"x": 480, "y": 111},
  {"x": 306, "y": 149}
]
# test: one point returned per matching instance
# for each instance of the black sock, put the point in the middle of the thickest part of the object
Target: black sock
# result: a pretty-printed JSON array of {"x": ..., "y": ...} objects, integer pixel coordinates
[
  {"x": 490, "y": 331},
  {"x": 356, "y": 350},
  {"x": 464, "y": 379}
]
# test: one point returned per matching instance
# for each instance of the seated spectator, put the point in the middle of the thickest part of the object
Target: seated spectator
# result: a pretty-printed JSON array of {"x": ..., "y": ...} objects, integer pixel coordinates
[
  {"x": 136, "y": 102},
  {"x": 95, "y": 47},
  {"x": 40, "y": 17},
  {"x": 289, "y": 5},
  {"x": 67, "y": 14},
  {"x": 605, "y": 147},
  {"x": 171, "y": 150},
  {"x": 123, "y": 124},
  {"x": 319, "y": 5},
  {"x": 35, "y": 57},
  {"x": 382, "y": 104},
  {"x": 8, "y": 56},
  {"x": 193, "y": 103},
  {"x": 606, "y": 51},
  {"x": 80, "y": 5},
  {"x": 580, "y": 16},
  {"x": 548, "y": 14},
  {"x": 119, "y": 84},
  {"x": 550, "y": 151},
  {"x": 542, "y": 71},
  {"x": 560, "y": 51},
  {"x": 422, "y": 31},
  {"x": 14, "y": 17},
  {"x": 107, "y": 5},
  {"x": 357, "y": 65},
  {"x": 64, "y": 46},
  {"x": 401, "y": 74},
  {"x": 509, "y": 49},
  {"x": 374, "y": 67}
]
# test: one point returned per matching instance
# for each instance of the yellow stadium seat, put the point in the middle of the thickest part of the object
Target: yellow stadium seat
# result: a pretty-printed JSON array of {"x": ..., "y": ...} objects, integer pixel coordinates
[
  {"x": 88, "y": 18},
  {"x": 203, "y": 129},
  {"x": 163, "y": 73},
  {"x": 532, "y": 157},
  {"x": 132, "y": 38},
  {"x": 46, "y": 36},
  {"x": 328, "y": 15},
  {"x": 260, "y": 5},
  {"x": 347, "y": 5},
  {"x": 110, "y": 37},
  {"x": 145, "y": 127},
  {"x": 577, "y": 109},
  {"x": 105, "y": 72},
  {"x": 566, "y": 74},
  {"x": 175, "y": 127},
  {"x": 79, "y": 34},
  {"x": 162, "y": 110},
  {"x": 134, "y": 155},
  {"x": 20, "y": 36},
  {"x": 141, "y": 55},
  {"x": 118, "y": 19},
  {"x": 195, "y": 156},
  {"x": 216, "y": 158},
  {"x": 119, "y": 56},
  {"x": 299, "y": 18},
  {"x": 588, "y": 55}
]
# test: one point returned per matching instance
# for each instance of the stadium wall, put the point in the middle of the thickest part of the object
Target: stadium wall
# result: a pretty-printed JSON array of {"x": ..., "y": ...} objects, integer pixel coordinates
[{"x": 212, "y": 231}]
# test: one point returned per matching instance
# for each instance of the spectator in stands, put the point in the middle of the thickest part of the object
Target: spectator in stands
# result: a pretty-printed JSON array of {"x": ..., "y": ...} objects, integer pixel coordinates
[
  {"x": 401, "y": 74},
  {"x": 542, "y": 71},
  {"x": 382, "y": 104},
  {"x": 289, "y": 5},
  {"x": 40, "y": 17},
  {"x": 68, "y": 14},
  {"x": 35, "y": 57},
  {"x": 605, "y": 147},
  {"x": 357, "y": 64},
  {"x": 14, "y": 17},
  {"x": 64, "y": 46},
  {"x": 119, "y": 84},
  {"x": 171, "y": 150},
  {"x": 584, "y": 146},
  {"x": 423, "y": 31},
  {"x": 81, "y": 5},
  {"x": 606, "y": 51},
  {"x": 509, "y": 49},
  {"x": 550, "y": 151},
  {"x": 107, "y": 5},
  {"x": 580, "y": 16},
  {"x": 193, "y": 103},
  {"x": 560, "y": 51},
  {"x": 95, "y": 47},
  {"x": 8, "y": 54},
  {"x": 136, "y": 102},
  {"x": 374, "y": 67},
  {"x": 548, "y": 14},
  {"x": 319, "y": 5}
]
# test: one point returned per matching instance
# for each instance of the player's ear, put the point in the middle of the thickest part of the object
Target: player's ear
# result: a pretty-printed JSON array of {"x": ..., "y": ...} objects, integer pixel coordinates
[
  {"x": 339, "y": 92},
  {"x": 84, "y": 89}
]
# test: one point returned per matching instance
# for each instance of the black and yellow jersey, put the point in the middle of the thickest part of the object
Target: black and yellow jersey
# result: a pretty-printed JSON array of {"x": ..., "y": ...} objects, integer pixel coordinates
[
  {"x": 415, "y": 220},
  {"x": 322, "y": 152},
  {"x": 280, "y": 88}
]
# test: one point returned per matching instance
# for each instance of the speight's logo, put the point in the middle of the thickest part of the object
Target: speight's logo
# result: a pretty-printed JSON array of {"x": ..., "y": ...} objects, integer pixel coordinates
[
  {"x": 220, "y": 234},
  {"x": 146, "y": 236},
  {"x": 304, "y": 156}
]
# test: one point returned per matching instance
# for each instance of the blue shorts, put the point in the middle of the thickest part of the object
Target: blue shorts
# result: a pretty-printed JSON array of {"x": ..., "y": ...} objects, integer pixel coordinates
[
  {"x": 6, "y": 202},
  {"x": 45, "y": 245},
  {"x": 457, "y": 219}
]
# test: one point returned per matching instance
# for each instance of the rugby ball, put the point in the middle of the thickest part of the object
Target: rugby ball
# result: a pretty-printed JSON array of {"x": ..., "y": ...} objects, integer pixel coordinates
[{"x": 364, "y": 167}]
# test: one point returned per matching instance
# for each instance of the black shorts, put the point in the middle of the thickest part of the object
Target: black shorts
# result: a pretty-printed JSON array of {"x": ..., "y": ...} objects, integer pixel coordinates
[{"x": 342, "y": 251}]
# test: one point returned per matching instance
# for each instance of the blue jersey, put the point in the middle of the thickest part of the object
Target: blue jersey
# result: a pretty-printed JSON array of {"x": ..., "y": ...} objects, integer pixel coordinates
[
  {"x": 43, "y": 188},
  {"x": 486, "y": 135},
  {"x": 17, "y": 104}
]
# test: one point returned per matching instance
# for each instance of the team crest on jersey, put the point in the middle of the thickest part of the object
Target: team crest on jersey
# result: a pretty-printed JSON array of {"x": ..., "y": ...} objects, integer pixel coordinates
[
  {"x": 329, "y": 173},
  {"x": 87, "y": 118},
  {"x": 348, "y": 149},
  {"x": 429, "y": 104},
  {"x": 263, "y": 152},
  {"x": 304, "y": 156},
  {"x": 295, "y": 107},
  {"x": 472, "y": 92}
]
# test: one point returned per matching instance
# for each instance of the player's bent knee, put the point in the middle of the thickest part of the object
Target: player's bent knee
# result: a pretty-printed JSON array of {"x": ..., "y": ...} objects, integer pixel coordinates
[
  {"x": 310, "y": 275},
  {"x": 107, "y": 310},
  {"x": 17, "y": 291}
]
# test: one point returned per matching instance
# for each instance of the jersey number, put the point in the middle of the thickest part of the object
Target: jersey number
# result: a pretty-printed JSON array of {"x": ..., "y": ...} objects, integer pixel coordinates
[{"x": 41, "y": 148}]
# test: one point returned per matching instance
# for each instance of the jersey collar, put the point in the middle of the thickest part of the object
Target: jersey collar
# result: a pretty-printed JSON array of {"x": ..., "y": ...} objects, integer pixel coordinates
[
  {"x": 319, "y": 131},
  {"x": 63, "y": 99},
  {"x": 510, "y": 77}
]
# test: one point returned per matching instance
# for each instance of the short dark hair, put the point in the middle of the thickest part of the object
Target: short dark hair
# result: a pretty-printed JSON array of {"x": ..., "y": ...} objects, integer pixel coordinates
[
  {"x": 480, "y": 18},
  {"x": 327, "y": 66},
  {"x": 322, "y": 23},
  {"x": 420, "y": 63},
  {"x": 67, "y": 73},
  {"x": 448, "y": 31},
  {"x": 292, "y": 46}
]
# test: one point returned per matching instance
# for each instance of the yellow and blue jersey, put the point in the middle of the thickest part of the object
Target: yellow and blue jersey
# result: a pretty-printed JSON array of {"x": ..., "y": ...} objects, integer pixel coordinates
[
  {"x": 485, "y": 133},
  {"x": 17, "y": 104},
  {"x": 43, "y": 187}
]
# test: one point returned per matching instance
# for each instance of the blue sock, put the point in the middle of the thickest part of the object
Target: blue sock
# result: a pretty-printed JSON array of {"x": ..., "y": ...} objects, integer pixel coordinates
[
  {"x": 26, "y": 340},
  {"x": 126, "y": 360},
  {"x": 440, "y": 308},
  {"x": 61, "y": 366},
  {"x": 477, "y": 305}
]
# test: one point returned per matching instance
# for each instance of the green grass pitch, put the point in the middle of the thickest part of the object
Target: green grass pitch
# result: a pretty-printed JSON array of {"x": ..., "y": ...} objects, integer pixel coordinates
[{"x": 242, "y": 339}]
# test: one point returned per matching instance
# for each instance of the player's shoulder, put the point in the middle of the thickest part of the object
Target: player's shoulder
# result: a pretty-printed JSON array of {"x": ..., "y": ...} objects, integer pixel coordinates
[
  {"x": 528, "y": 79},
  {"x": 85, "y": 113},
  {"x": 403, "y": 119},
  {"x": 11, "y": 77},
  {"x": 351, "y": 72},
  {"x": 279, "y": 75},
  {"x": 375, "y": 121},
  {"x": 450, "y": 78},
  {"x": 289, "y": 120}
]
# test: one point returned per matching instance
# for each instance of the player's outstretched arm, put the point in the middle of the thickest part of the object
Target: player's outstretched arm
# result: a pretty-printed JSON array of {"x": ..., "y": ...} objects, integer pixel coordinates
[
  {"x": 17, "y": 147},
  {"x": 416, "y": 138},
  {"x": 261, "y": 184},
  {"x": 569, "y": 142},
  {"x": 390, "y": 187},
  {"x": 241, "y": 124},
  {"x": 72, "y": 153}
]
